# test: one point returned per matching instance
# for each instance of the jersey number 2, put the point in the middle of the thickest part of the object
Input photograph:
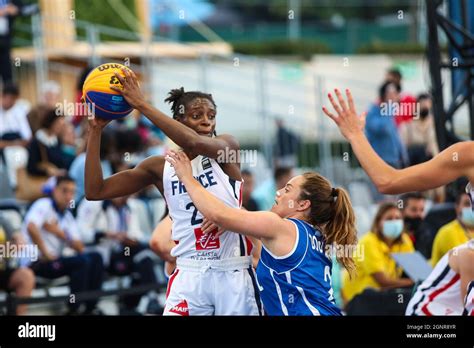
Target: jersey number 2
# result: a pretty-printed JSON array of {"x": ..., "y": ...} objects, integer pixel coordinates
[{"x": 194, "y": 220}]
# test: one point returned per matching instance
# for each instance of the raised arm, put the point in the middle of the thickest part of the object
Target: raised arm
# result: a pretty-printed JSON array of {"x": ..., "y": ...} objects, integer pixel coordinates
[
  {"x": 183, "y": 136},
  {"x": 456, "y": 161},
  {"x": 123, "y": 183}
]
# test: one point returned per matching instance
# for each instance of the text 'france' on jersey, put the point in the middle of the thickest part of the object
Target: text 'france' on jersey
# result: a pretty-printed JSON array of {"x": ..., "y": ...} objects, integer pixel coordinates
[{"x": 187, "y": 220}]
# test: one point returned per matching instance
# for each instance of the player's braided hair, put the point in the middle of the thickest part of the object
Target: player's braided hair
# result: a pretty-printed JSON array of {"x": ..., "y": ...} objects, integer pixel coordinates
[{"x": 178, "y": 99}]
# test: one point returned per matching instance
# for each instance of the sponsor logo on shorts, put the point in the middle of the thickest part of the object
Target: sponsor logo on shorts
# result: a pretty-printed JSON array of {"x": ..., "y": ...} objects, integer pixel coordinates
[
  {"x": 181, "y": 308},
  {"x": 206, "y": 241}
]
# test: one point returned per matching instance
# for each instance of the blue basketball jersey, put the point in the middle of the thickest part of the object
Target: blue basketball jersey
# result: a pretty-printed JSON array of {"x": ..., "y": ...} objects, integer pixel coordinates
[{"x": 298, "y": 283}]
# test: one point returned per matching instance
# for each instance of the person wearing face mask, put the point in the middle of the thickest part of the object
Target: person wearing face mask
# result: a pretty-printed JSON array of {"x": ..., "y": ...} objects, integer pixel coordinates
[
  {"x": 375, "y": 267},
  {"x": 413, "y": 213},
  {"x": 456, "y": 232},
  {"x": 419, "y": 136}
]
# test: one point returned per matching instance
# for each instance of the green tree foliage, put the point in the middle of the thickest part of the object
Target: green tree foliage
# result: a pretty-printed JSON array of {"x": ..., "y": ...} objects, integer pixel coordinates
[
  {"x": 102, "y": 13},
  {"x": 311, "y": 10}
]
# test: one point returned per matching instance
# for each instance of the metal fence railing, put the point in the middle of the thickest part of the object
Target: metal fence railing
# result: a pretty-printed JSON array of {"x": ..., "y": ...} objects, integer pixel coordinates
[{"x": 251, "y": 93}]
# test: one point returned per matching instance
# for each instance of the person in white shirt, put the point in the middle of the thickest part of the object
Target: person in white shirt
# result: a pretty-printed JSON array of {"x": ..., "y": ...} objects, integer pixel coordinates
[
  {"x": 15, "y": 131},
  {"x": 111, "y": 228},
  {"x": 51, "y": 226},
  {"x": 14, "y": 126}
]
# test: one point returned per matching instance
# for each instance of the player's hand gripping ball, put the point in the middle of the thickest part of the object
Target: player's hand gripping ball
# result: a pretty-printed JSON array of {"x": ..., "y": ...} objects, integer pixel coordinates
[{"x": 100, "y": 98}]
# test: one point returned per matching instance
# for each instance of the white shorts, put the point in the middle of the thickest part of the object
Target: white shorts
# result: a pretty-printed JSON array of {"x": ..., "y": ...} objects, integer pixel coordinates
[
  {"x": 469, "y": 303},
  {"x": 220, "y": 287}
]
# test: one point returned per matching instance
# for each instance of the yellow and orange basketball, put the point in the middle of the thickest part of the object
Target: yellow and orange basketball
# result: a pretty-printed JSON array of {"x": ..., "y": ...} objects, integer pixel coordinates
[{"x": 105, "y": 102}]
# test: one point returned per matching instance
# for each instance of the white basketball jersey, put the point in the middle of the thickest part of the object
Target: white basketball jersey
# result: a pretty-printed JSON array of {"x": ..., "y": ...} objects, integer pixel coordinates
[
  {"x": 440, "y": 293},
  {"x": 187, "y": 220},
  {"x": 469, "y": 302}
]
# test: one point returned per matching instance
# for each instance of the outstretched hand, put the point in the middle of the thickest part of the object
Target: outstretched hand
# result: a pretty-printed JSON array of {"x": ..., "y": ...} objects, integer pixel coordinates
[
  {"x": 130, "y": 88},
  {"x": 181, "y": 163},
  {"x": 349, "y": 123}
]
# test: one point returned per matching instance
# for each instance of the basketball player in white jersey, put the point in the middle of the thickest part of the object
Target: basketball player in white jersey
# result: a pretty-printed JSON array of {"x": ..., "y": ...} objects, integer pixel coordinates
[
  {"x": 469, "y": 303},
  {"x": 214, "y": 273},
  {"x": 448, "y": 289}
]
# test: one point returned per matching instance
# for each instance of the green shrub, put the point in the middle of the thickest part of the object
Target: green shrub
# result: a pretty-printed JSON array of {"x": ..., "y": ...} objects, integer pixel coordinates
[
  {"x": 393, "y": 48},
  {"x": 305, "y": 48}
]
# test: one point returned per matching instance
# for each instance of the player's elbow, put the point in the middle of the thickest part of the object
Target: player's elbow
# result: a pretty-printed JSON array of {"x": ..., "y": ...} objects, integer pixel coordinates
[
  {"x": 387, "y": 187},
  {"x": 384, "y": 188},
  {"x": 161, "y": 249},
  {"x": 155, "y": 246},
  {"x": 387, "y": 183},
  {"x": 92, "y": 195}
]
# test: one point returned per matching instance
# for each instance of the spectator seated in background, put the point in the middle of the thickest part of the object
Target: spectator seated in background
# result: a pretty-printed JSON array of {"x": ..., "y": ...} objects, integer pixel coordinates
[
  {"x": 15, "y": 132},
  {"x": 455, "y": 233},
  {"x": 20, "y": 280},
  {"x": 46, "y": 157},
  {"x": 413, "y": 213},
  {"x": 112, "y": 229},
  {"x": 375, "y": 267},
  {"x": 50, "y": 93},
  {"x": 68, "y": 143},
  {"x": 264, "y": 194},
  {"x": 247, "y": 189},
  {"x": 14, "y": 126},
  {"x": 51, "y": 226}
]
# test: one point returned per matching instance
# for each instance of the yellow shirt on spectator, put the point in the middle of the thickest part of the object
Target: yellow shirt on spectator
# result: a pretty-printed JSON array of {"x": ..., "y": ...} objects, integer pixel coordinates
[
  {"x": 374, "y": 257},
  {"x": 449, "y": 236}
]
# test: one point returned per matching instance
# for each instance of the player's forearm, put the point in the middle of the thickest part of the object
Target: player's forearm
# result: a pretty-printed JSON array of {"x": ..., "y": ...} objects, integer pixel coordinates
[
  {"x": 179, "y": 133},
  {"x": 93, "y": 178},
  {"x": 207, "y": 204},
  {"x": 379, "y": 172},
  {"x": 214, "y": 210}
]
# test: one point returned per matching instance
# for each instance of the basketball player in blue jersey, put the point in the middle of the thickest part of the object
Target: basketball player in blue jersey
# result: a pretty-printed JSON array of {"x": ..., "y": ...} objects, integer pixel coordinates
[
  {"x": 205, "y": 263},
  {"x": 294, "y": 272}
]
